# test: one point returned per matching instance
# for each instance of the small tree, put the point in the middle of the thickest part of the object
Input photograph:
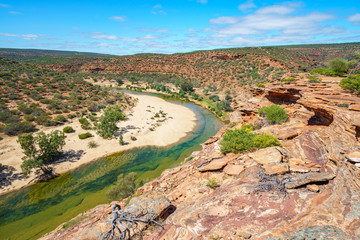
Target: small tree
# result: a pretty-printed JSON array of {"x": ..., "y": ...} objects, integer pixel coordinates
[
  {"x": 121, "y": 140},
  {"x": 40, "y": 150},
  {"x": 339, "y": 66},
  {"x": 106, "y": 127}
]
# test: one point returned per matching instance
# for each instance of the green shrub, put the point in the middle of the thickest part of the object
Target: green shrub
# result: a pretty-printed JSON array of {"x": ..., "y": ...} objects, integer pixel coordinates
[
  {"x": 121, "y": 140},
  {"x": 214, "y": 98},
  {"x": 265, "y": 140},
  {"x": 324, "y": 71},
  {"x": 60, "y": 118},
  {"x": 92, "y": 144},
  {"x": 260, "y": 85},
  {"x": 288, "y": 80},
  {"x": 29, "y": 117},
  {"x": 242, "y": 140},
  {"x": 339, "y": 66},
  {"x": 85, "y": 124},
  {"x": 344, "y": 105},
  {"x": 85, "y": 135},
  {"x": 351, "y": 83},
  {"x": 13, "y": 129},
  {"x": 274, "y": 114},
  {"x": 68, "y": 129},
  {"x": 45, "y": 120},
  {"x": 314, "y": 79},
  {"x": 212, "y": 182}
]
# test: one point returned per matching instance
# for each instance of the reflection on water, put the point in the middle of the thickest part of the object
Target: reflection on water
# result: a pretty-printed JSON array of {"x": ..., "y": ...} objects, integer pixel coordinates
[{"x": 31, "y": 212}]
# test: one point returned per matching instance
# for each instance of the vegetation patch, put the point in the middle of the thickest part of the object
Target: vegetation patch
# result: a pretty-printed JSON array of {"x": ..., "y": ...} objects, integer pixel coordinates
[
  {"x": 124, "y": 187},
  {"x": 274, "y": 114},
  {"x": 68, "y": 129},
  {"x": 351, "y": 83},
  {"x": 242, "y": 140},
  {"x": 85, "y": 135},
  {"x": 73, "y": 222},
  {"x": 212, "y": 182}
]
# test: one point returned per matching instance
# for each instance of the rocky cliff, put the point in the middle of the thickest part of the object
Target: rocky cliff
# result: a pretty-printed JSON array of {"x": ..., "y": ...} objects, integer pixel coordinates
[{"x": 306, "y": 189}]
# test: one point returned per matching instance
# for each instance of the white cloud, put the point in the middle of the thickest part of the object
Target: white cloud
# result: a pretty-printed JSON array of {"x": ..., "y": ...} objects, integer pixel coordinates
[
  {"x": 354, "y": 19},
  {"x": 157, "y": 6},
  {"x": 4, "y": 5},
  {"x": 23, "y": 36},
  {"x": 75, "y": 28},
  {"x": 224, "y": 20},
  {"x": 118, "y": 18},
  {"x": 160, "y": 12},
  {"x": 149, "y": 36},
  {"x": 154, "y": 30},
  {"x": 202, "y": 1},
  {"x": 15, "y": 13},
  {"x": 247, "y": 5},
  {"x": 267, "y": 19},
  {"x": 191, "y": 29}
]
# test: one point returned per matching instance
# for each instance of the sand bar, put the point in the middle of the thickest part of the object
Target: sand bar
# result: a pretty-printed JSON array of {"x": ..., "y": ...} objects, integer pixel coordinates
[{"x": 172, "y": 123}]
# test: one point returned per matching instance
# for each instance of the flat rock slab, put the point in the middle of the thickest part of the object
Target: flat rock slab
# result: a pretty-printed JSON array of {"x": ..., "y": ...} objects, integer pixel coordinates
[
  {"x": 234, "y": 170},
  {"x": 267, "y": 155},
  {"x": 215, "y": 164},
  {"x": 276, "y": 168},
  {"x": 312, "y": 177},
  {"x": 353, "y": 157}
]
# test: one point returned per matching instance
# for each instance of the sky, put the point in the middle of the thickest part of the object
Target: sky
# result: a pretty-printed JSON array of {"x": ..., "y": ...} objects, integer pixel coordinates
[{"x": 122, "y": 27}]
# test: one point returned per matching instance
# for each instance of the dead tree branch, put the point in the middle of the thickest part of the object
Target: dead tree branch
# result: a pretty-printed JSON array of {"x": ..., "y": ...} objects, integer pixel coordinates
[{"x": 125, "y": 222}]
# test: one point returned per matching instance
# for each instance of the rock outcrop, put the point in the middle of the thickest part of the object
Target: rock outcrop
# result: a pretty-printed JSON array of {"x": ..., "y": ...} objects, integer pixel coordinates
[{"x": 309, "y": 188}]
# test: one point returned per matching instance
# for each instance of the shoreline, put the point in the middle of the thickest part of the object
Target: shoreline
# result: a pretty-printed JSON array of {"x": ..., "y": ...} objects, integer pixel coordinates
[{"x": 171, "y": 124}]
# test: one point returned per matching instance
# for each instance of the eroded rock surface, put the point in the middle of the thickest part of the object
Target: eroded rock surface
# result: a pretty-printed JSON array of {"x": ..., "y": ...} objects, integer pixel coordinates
[{"x": 309, "y": 188}]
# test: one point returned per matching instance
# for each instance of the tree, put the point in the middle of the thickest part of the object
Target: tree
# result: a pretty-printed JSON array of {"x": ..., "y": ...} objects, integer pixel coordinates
[
  {"x": 40, "y": 150},
  {"x": 106, "y": 127},
  {"x": 339, "y": 66}
]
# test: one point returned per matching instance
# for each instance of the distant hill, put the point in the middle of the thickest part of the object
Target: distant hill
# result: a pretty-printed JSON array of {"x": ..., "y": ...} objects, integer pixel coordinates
[{"x": 23, "y": 54}]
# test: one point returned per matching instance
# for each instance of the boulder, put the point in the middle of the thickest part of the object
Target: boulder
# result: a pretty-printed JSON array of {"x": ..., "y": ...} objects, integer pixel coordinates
[
  {"x": 302, "y": 179},
  {"x": 234, "y": 170},
  {"x": 267, "y": 155}
]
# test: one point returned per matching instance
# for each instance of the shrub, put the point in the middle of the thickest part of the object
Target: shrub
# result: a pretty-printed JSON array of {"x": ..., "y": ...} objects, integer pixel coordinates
[
  {"x": 121, "y": 140},
  {"x": 85, "y": 135},
  {"x": 212, "y": 182},
  {"x": 344, "y": 105},
  {"x": 68, "y": 129},
  {"x": 339, "y": 66},
  {"x": 265, "y": 140},
  {"x": 214, "y": 98},
  {"x": 45, "y": 120},
  {"x": 288, "y": 80},
  {"x": 260, "y": 85},
  {"x": 29, "y": 117},
  {"x": 85, "y": 124},
  {"x": 13, "y": 129},
  {"x": 60, "y": 118},
  {"x": 92, "y": 144},
  {"x": 242, "y": 140},
  {"x": 274, "y": 114},
  {"x": 324, "y": 71},
  {"x": 313, "y": 79},
  {"x": 351, "y": 83}
]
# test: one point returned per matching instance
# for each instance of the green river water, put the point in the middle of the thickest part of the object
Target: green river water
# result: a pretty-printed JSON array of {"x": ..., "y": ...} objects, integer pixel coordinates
[{"x": 31, "y": 212}]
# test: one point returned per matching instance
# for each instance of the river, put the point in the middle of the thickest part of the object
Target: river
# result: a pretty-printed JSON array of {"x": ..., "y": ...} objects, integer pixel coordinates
[{"x": 31, "y": 212}]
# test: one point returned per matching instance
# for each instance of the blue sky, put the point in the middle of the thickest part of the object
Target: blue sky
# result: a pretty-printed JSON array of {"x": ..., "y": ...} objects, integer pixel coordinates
[{"x": 128, "y": 27}]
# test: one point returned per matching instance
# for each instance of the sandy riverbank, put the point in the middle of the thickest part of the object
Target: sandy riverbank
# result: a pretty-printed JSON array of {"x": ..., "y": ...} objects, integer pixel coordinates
[{"x": 142, "y": 123}]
